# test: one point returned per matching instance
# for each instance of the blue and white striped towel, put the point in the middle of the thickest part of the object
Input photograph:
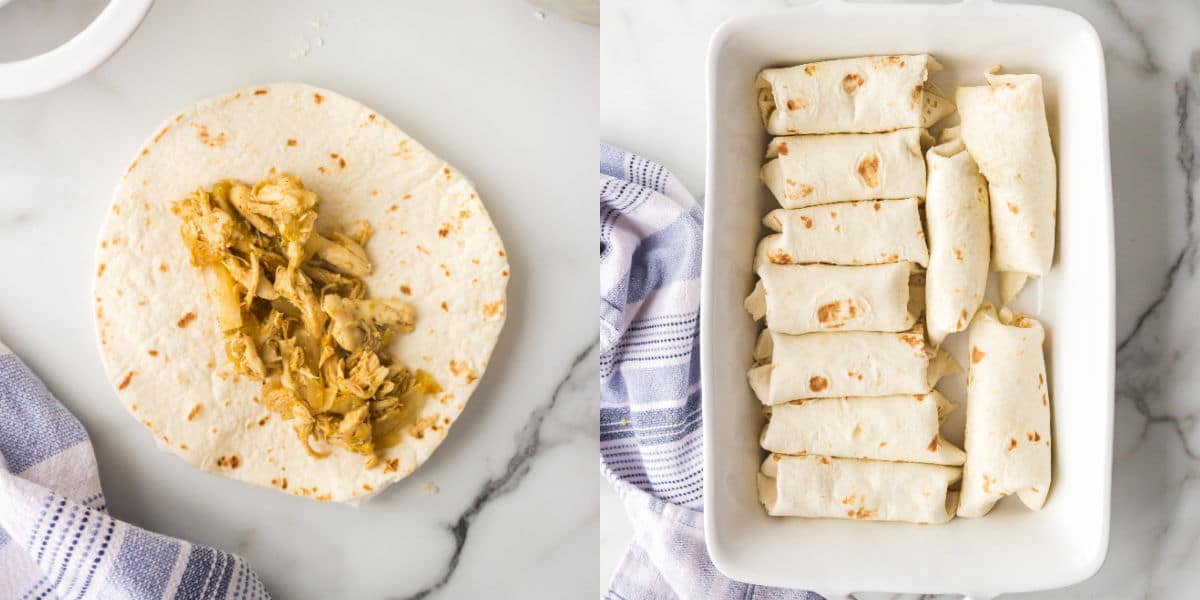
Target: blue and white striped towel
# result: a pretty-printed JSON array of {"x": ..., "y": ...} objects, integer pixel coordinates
[
  {"x": 56, "y": 538},
  {"x": 650, "y": 434}
]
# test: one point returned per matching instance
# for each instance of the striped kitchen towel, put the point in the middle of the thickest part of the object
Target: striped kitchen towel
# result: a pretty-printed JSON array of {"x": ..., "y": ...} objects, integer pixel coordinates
[
  {"x": 650, "y": 434},
  {"x": 56, "y": 538}
]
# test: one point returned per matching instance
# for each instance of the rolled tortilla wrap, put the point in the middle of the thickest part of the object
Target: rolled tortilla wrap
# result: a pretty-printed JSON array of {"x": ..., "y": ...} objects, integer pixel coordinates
[
  {"x": 852, "y": 95},
  {"x": 807, "y": 170},
  {"x": 848, "y": 488},
  {"x": 804, "y": 298},
  {"x": 847, "y": 233},
  {"x": 897, "y": 428},
  {"x": 849, "y": 363},
  {"x": 1008, "y": 413},
  {"x": 956, "y": 213},
  {"x": 1004, "y": 129}
]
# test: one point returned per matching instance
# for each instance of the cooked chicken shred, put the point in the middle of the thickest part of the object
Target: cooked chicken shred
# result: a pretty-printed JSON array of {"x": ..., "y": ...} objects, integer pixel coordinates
[{"x": 293, "y": 313}]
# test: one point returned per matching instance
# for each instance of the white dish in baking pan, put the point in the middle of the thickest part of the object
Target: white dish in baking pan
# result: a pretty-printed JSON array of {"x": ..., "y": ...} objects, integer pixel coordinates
[{"x": 1012, "y": 549}]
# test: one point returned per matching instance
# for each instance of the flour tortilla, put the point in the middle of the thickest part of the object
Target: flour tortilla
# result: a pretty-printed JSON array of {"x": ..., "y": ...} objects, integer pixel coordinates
[
  {"x": 434, "y": 246},
  {"x": 1004, "y": 129},
  {"x": 847, "y": 233},
  {"x": 805, "y": 298},
  {"x": 852, "y": 95},
  {"x": 848, "y": 488},
  {"x": 849, "y": 363},
  {"x": 1008, "y": 413},
  {"x": 897, "y": 428},
  {"x": 808, "y": 170},
  {"x": 956, "y": 214}
]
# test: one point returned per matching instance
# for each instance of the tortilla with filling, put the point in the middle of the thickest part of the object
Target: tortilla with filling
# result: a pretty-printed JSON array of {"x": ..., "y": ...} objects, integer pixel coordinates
[
  {"x": 847, "y": 233},
  {"x": 808, "y": 170},
  {"x": 848, "y": 363},
  {"x": 1004, "y": 129},
  {"x": 434, "y": 247},
  {"x": 956, "y": 214},
  {"x": 897, "y": 428},
  {"x": 852, "y": 95},
  {"x": 1008, "y": 413},
  {"x": 849, "y": 488},
  {"x": 804, "y": 298}
]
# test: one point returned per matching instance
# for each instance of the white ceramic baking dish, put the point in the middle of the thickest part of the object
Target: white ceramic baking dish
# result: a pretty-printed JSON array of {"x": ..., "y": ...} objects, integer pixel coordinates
[{"x": 1011, "y": 549}]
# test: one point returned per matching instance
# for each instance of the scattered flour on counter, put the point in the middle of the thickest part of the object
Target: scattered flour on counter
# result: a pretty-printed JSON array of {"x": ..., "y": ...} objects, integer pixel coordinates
[
  {"x": 429, "y": 488},
  {"x": 539, "y": 15}
]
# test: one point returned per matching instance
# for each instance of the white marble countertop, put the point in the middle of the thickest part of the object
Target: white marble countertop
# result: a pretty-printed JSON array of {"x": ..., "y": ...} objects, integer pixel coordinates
[
  {"x": 652, "y": 102},
  {"x": 502, "y": 93}
]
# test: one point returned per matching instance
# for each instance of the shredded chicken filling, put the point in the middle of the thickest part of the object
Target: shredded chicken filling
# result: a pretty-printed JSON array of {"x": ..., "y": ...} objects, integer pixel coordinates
[{"x": 294, "y": 313}]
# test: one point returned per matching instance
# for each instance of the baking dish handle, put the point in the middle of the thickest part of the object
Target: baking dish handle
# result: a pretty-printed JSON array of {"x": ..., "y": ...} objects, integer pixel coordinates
[{"x": 79, "y": 55}]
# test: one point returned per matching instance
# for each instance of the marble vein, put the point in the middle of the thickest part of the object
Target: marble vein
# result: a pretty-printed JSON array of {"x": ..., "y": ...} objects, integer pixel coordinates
[
  {"x": 530, "y": 443},
  {"x": 1146, "y": 63}
]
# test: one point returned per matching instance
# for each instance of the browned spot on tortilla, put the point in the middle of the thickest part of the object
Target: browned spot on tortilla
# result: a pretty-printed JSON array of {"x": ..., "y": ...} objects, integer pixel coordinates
[
  {"x": 822, "y": 460},
  {"x": 827, "y": 313},
  {"x": 1045, "y": 400},
  {"x": 407, "y": 291},
  {"x": 162, "y": 267},
  {"x": 933, "y": 444},
  {"x": 103, "y": 243},
  {"x": 810, "y": 69},
  {"x": 796, "y": 104},
  {"x": 882, "y": 444},
  {"x": 422, "y": 250},
  {"x": 1041, "y": 380},
  {"x": 371, "y": 117},
  {"x": 1033, "y": 234},
  {"x": 862, "y": 513},
  {"x": 894, "y": 61},
  {"x": 209, "y": 365},
  {"x": 779, "y": 257},
  {"x": 446, "y": 172},
  {"x": 162, "y": 132},
  {"x": 858, "y": 430},
  {"x": 406, "y": 197},
  {"x": 977, "y": 354},
  {"x": 837, "y": 229},
  {"x": 1013, "y": 208},
  {"x": 504, "y": 273},
  {"x": 849, "y": 499},
  {"x": 100, "y": 269},
  {"x": 1012, "y": 444},
  {"x": 183, "y": 446},
  {"x": 341, "y": 163},
  {"x": 292, "y": 142},
  {"x": 232, "y": 461},
  {"x": 913, "y": 340},
  {"x": 185, "y": 320},
  {"x": 987, "y": 484},
  {"x": 808, "y": 222},
  {"x": 1034, "y": 436},
  {"x": 142, "y": 302},
  {"x": 444, "y": 231},
  {"x": 321, "y": 169},
  {"x": 851, "y": 82},
  {"x": 818, "y": 383},
  {"x": 125, "y": 382},
  {"x": 500, "y": 253},
  {"x": 868, "y": 170},
  {"x": 318, "y": 98},
  {"x": 958, "y": 254},
  {"x": 445, "y": 269},
  {"x": 193, "y": 412},
  {"x": 492, "y": 309},
  {"x": 833, "y": 214},
  {"x": 916, "y": 94},
  {"x": 783, "y": 149},
  {"x": 392, "y": 466},
  {"x": 445, "y": 307},
  {"x": 367, "y": 487}
]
